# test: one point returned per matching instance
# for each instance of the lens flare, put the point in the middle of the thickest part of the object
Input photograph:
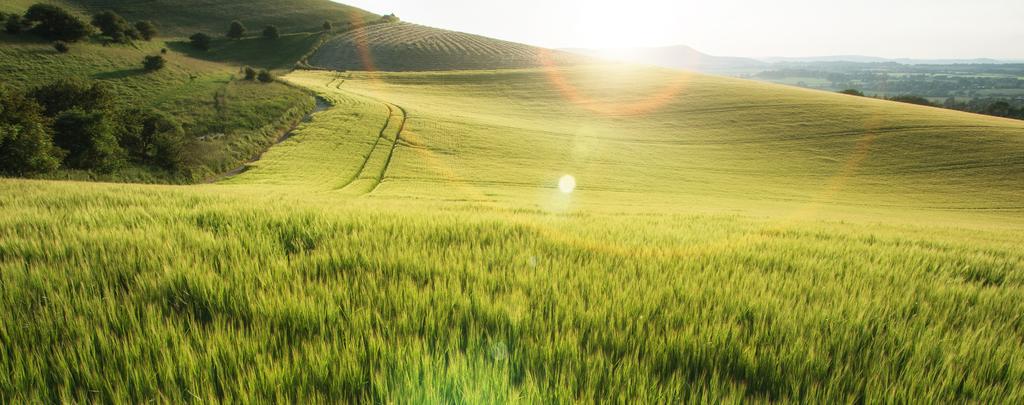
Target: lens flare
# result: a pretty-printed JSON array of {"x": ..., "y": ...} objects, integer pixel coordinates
[{"x": 567, "y": 184}]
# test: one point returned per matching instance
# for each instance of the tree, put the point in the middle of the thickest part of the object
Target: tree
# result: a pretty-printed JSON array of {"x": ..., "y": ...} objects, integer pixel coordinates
[
  {"x": 14, "y": 24},
  {"x": 201, "y": 41},
  {"x": 26, "y": 144},
  {"x": 146, "y": 29},
  {"x": 390, "y": 18},
  {"x": 265, "y": 76},
  {"x": 88, "y": 137},
  {"x": 327, "y": 26},
  {"x": 61, "y": 46},
  {"x": 250, "y": 73},
  {"x": 114, "y": 26},
  {"x": 55, "y": 23},
  {"x": 852, "y": 92},
  {"x": 237, "y": 30},
  {"x": 153, "y": 63},
  {"x": 999, "y": 109},
  {"x": 152, "y": 137},
  {"x": 66, "y": 94},
  {"x": 271, "y": 32}
]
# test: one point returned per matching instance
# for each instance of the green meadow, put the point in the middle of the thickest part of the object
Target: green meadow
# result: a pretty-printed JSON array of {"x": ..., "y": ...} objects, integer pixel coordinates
[{"x": 726, "y": 241}]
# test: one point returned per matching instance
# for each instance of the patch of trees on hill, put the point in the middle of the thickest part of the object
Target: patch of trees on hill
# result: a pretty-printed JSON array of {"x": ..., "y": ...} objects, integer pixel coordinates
[
  {"x": 993, "y": 107},
  {"x": 57, "y": 24},
  {"x": 74, "y": 124}
]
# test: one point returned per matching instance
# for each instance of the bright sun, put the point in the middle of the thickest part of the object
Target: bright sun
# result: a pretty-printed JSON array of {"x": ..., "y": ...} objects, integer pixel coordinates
[{"x": 567, "y": 184}]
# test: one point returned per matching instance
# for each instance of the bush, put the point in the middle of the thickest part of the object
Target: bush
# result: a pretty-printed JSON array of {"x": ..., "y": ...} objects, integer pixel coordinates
[
  {"x": 265, "y": 76},
  {"x": 852, "y": 92},
  {"x": 26, "y": 144},
  {"x": 66, "y": 94},
  {"x": 61, "y": 46},
  {"x": 327, "y": 26},
  {"x": 153, "y": 63},
  {"x": 237, "y": 30},
  {"x": 250, "y": 73},
  {"x": 55, "y": 23},
  {"x": 146, "y": 29},
  {"x": 14, "y": 24},
  {"x": 271, "y": 32},
  {"x": 88, "y": 137},
  {"x": 390, "y": 18},
  {"x": 200, "y": 41},
  {"x": 114, "y": 26}
]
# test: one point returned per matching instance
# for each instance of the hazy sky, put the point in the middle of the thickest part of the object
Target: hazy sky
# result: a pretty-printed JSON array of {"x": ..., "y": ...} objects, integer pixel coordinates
[{"x": 888, "y": 28}]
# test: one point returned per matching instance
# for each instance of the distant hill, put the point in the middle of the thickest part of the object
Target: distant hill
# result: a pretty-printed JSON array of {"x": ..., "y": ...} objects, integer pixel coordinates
[
  {"x": 410, "y": 47},
  {"x": 184, "y": 17},
  {"x": 875, "y": 59},
  {"x": 680, "y": 57}
]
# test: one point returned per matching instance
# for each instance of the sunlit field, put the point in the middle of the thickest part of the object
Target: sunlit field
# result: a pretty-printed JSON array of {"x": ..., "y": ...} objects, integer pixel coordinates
[{"x": 725, "y": 241}]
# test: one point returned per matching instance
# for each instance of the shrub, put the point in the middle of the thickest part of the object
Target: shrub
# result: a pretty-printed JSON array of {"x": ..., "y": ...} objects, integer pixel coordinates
[
  {"x": 146, "y": 29},
  {"x": 88, "y": 137},
  {"x": 390, "y": 18},
  {"x": 271, "y": 32},
  {"x": 61, "y": 46},
  {"x": 200, "y": 41},
  {"x": 55, "y": 23},
  {"x": 14, "y": 24},
  {"x": 153, "y": 63},
  {"x": 163, "y": 51},
  {"x": 237, "y": 30},
  {"x": 114, "y": 26},
  {"x": 26, "y": 144},
  {"x": 66, "y": 94},
  {"x": 250, "y": 73},
  {"x": 265, "y": 76},
  {"x": 327, "y": 26},
  {"x": 852, "y": 92}
]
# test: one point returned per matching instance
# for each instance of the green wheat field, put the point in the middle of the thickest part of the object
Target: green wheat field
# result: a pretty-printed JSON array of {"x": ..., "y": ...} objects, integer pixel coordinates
[{"x": 726, "y": 241}]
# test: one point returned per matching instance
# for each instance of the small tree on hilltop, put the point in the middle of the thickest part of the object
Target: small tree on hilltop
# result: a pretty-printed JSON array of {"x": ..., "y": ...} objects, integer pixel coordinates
[
  {"x": 146, "y": 29},
  {"x": 61, "y": 46},
  {"x": 265, "y": 76},
  {"x": 390, "y": 18},
  {"x": 153, "y": 63},
  {"x": 56, "y": 23},
  {"x": 114, "y": 26},
  {"x": 200, "y": 41},
  {"x": 271, "y": 32},
  {"x": 237, "y": 30}
]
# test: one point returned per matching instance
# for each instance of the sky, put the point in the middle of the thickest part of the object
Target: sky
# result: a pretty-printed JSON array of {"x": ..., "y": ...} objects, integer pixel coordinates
[{"x": 885, "y": 28}]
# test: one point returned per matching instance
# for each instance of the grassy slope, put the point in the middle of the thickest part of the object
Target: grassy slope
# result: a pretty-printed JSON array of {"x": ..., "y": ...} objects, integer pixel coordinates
[
  {"x": 182, "y": 18},
  {"x": 466, "y": 276},
  {"x": 411, "y": 47},
  {"x": 242, "y": 117}
]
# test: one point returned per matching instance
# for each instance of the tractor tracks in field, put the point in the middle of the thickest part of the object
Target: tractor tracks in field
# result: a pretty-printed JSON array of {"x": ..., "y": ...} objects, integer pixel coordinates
[{"x": 375, "y": 166}]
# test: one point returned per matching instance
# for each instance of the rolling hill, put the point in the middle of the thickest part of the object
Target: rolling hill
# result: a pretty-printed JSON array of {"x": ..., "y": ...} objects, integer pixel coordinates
[
  {"x": 409, "y": 47},
  {"x": 181, "y": 18},
  {"x": 535, "y": 233}
]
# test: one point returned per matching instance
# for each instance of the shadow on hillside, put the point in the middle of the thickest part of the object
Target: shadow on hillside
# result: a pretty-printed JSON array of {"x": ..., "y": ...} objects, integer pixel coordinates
[
  {"x": 281, "y": 53},
  {"x": 119, "y": 74}
]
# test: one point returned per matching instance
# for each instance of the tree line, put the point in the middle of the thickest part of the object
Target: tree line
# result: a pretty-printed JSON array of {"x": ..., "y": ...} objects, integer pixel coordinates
[{"x": 74, "y": 124}]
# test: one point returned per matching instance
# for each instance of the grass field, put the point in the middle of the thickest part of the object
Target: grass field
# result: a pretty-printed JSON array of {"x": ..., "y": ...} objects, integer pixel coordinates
[
  {"x": 411, "y": 47},
  {"x": 728, "y": 241}
]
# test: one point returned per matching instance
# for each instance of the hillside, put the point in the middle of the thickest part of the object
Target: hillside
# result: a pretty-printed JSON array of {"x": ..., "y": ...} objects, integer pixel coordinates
[
  {"x": 410, "y": 47},
  {"x": 181, "y": 18}
]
